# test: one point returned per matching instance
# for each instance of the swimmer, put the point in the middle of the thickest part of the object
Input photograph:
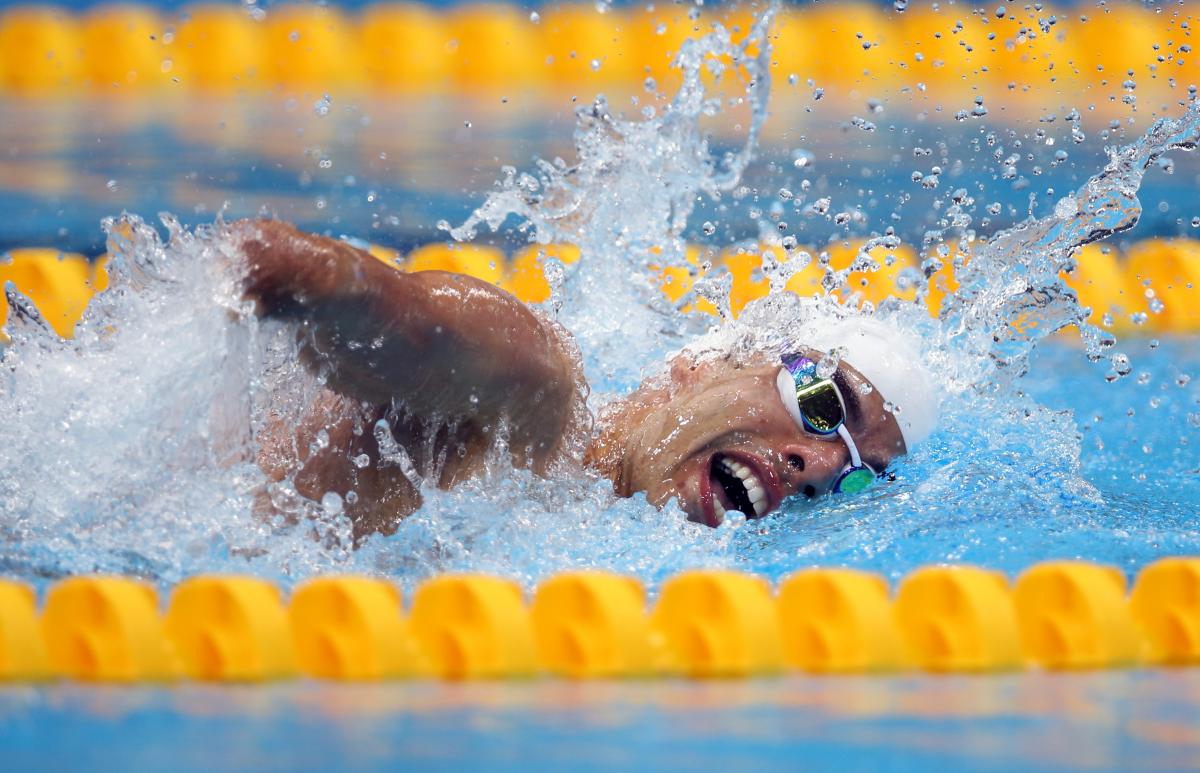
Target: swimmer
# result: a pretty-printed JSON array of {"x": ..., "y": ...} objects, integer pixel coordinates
[{"x": 454, "y": 363}]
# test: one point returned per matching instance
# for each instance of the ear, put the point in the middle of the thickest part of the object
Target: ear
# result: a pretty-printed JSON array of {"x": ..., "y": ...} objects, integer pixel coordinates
[{"x": 683, "y": 370}]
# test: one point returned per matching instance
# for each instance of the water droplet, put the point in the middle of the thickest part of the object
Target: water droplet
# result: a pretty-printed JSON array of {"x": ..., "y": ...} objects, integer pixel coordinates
[
  {"x": 111, "y": 185},
  {"x": 535, "y": 17},
  {"x": 331, "y": 503},
  {"x": 1067, "y": 206},
  {"x": 361, "y": 461},
  {"x": 709, "y": 228},
  {"x": 900, "y": 5},
  {"x": 801, "y": 158},
  {"x": 322, "y": 105}
]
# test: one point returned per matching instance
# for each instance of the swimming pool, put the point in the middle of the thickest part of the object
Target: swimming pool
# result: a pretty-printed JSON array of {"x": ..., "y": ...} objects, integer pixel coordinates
[
  {"x": 1106, "y": 721},
  {"x": 1059, "y": 464}
]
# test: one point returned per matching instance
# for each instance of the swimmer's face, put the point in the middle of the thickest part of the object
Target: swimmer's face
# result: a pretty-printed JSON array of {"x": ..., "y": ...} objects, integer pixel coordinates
[{"x": 719, "y": 432}]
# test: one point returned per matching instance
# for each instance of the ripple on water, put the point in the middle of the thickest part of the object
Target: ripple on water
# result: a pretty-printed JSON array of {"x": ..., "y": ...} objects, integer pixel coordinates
[{"x": 130, "y": 449}]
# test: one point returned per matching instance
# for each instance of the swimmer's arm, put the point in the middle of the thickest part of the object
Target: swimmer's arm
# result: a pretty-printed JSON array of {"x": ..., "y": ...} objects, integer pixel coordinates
[{"x": 438, "y": 344}]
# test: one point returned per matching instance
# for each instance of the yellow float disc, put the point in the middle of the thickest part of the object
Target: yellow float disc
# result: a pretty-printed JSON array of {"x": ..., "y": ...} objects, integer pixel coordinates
[
  {"x": 217, "y": 48},
  {"x": 59, "y": 284},
  {"x": 404, "y": 47},
  {"x": 584, "y": 46},
  {"x": 311, "y": 48},
  {"x": 495, "y": 47},
  {"x": 41, "y": 50},
  {"x": 124, "y": 49}
]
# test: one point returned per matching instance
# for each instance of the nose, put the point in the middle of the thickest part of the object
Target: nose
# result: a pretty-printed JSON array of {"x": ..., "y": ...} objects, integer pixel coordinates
[{"x": 811, "y": 465}]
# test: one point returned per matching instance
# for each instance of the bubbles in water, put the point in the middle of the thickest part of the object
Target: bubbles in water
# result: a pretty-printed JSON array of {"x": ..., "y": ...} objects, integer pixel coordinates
[
  {"x": 331, "y": 503},
  {"x": 658, "y": 167},
  {"x": 149, "y": 417},
  {"x": 1066, "y": 207}
]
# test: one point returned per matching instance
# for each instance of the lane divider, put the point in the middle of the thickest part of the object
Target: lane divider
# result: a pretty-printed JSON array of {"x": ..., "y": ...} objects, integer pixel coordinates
[
  {"x": 958, "y": 618},
  {"x": 1057, "y": 615},
  {"x": 1154, "y": 288},
  {"x": 1033, "y": 54},
  {"x": 351, "y": 629}
]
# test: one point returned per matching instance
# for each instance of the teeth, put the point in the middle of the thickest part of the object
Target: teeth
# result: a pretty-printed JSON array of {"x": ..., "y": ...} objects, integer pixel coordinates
[
  {"x": 719, "y": 509},
  {"x": 754, "y": 487}
]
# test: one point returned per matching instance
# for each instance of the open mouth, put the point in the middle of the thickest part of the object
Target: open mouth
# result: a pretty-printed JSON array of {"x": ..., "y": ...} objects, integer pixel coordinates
[{"x": 735, "y": 486}]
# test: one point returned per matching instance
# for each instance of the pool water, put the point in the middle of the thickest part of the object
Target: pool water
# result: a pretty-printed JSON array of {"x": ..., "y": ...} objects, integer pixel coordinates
[
  {"x": 1058, "y": 464},
  {"x": 1055, "y": 465},
  {"x": 388, "y": 172},
  {"x": 1136, "y": 454},
  {"x": 1114, "y": 721}
]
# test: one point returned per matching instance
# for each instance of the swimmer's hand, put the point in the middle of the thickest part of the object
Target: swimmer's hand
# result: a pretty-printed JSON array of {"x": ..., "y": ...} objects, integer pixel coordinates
[{"x": 438, "y": 345}]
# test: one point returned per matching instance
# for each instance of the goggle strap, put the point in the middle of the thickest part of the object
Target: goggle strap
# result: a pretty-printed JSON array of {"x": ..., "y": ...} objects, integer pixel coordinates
[{"x": 844, "y": 434}]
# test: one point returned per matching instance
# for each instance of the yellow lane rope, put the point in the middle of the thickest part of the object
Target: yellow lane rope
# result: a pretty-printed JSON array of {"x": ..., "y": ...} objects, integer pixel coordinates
[
  {"x": 945, "y": 55},
  {"x": 1056, "y": 615}
]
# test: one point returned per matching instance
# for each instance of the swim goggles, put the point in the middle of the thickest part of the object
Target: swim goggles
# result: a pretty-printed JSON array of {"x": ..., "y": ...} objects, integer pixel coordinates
[{"x": 820, "y": 410}]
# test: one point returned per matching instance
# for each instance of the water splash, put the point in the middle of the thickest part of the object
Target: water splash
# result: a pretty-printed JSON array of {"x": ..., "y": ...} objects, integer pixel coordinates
[
  {"x": 626, "y": 200},
  {"x": 1011, "y": 295},
  {"x": 131, "y": 448}
]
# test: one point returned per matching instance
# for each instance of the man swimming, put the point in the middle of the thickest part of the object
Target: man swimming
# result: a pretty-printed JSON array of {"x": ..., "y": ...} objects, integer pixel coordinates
[{"x": 432, "y": 370}]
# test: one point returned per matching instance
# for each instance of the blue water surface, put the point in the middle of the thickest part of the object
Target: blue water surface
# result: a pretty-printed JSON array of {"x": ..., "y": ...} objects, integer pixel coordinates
[{"x": 1119, "y": 721}]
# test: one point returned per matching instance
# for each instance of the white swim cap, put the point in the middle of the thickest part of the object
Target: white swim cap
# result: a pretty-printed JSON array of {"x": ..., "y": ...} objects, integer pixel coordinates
[{"x": 891, "y": 362}]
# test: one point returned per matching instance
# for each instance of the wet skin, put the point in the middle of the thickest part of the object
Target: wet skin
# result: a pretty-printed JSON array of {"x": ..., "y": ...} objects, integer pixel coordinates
[
  {"x": 463, "y": 358},
  {"x": 665, "y": 439}
]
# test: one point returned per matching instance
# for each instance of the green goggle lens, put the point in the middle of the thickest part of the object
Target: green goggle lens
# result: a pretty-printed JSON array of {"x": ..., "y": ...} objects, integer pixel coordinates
[
  {"x": 820, "y": 406},
  {"x": 855, "y": 480}
]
